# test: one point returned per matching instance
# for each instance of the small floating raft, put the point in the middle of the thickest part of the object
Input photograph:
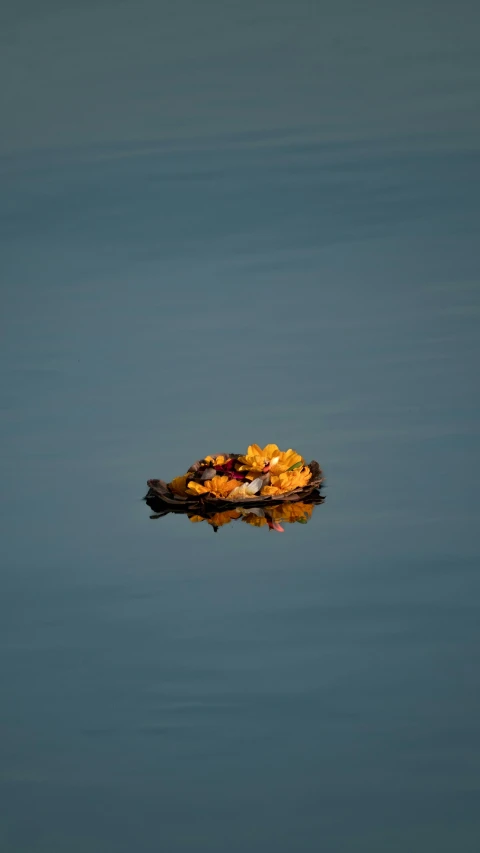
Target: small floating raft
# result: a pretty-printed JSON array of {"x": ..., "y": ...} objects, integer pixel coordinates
[{"x": 259, "y": 478}]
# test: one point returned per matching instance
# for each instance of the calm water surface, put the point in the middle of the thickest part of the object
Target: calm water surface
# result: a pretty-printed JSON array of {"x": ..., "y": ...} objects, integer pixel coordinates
[{"x": 224, "y": 225}]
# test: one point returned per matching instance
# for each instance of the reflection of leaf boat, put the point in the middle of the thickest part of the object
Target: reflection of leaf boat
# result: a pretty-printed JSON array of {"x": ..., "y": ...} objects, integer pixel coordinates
[{"x": 271, "y": 514}]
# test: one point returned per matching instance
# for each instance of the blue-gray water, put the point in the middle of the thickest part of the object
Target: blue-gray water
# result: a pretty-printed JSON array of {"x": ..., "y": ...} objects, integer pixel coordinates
[{"x": 224, "y": 224}]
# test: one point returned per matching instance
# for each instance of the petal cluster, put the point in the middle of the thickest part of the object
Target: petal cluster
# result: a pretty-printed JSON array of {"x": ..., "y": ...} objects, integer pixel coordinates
[
  {"x": 286, "y": 482},
  {"x": 270, "y": 459},
  {"x": 260, "y": 472},
  {"x": 219, "y": 487}
]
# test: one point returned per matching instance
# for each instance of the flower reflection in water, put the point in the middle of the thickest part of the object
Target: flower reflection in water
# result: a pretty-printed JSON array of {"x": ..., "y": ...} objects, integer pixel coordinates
[{"x": 273, "y": 516}]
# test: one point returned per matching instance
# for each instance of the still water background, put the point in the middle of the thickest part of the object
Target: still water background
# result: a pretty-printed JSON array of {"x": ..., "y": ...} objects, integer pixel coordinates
[{"x": 228, "y": 223}]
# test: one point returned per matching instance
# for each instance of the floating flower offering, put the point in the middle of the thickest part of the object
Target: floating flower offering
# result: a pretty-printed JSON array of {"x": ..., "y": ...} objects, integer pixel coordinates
[{"x": 264, "y": 487}]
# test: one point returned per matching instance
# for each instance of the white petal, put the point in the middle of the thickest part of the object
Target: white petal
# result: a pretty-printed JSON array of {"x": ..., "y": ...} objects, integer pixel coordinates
[
  {"x": 238, "y": 492},
  {"x": 208, "y": 474}
]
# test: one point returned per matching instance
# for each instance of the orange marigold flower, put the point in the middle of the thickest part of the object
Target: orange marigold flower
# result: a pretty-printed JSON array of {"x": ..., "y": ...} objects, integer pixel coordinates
[
  {"x": 270, "y": 458},
  {"x": 287, "y": 481},
  {"x": 219, "y": 487},
  {"x": 216, "y": 460}
]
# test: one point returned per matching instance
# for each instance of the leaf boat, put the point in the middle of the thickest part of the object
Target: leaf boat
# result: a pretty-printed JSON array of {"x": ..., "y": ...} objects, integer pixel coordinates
[{"x": 261, "y": 477}]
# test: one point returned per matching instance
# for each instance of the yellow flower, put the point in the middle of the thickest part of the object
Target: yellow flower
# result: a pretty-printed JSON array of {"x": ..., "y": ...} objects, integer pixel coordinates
[
  {"x": 196, "y": 518},
  {"x": 287, "y": 481},
  {"x": 256, "y": 459},
  {"x": 270, "y": 459},
  {"x": 215, "y": 460},
  {"x": 219, "y": 487},
  {"x": 179, "y": 485},
  {"x": 287, "y": 460}
]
